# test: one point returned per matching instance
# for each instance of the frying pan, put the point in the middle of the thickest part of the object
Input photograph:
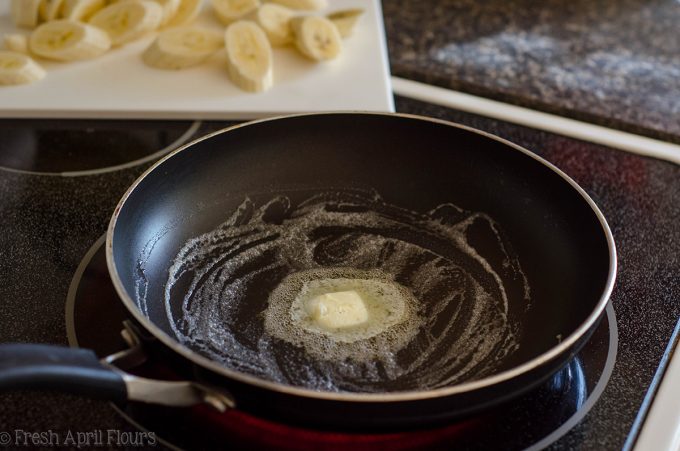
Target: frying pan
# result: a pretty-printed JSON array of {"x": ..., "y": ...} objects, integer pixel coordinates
[{"x": 553, "y": 249}]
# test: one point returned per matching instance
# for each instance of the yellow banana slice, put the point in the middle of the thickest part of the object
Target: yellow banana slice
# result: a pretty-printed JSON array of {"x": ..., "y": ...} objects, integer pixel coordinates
[
  {"x": 275, "y": 21},
  {"x": 316, "y": 37},
  {"x": 15, "y": 42},
  {"x": 186, "y": 13},
  {"x": 178, "y": 48},
  {"x": 18, "y": 68},
  {"x": 51, "y": 9},
  {"x": 249, "y": 56},
  {"x": 68, "y": 40},
  {"x": 170, "y": 8},
  {"x": 308, "y": 5},
  {"x": 229, "y": 11},
  {"x": 81, "y": 10},
  {"x": 128, "y": 20},
  {"x": 345, "y": 20},
  {"x": 26, "y": 13}
]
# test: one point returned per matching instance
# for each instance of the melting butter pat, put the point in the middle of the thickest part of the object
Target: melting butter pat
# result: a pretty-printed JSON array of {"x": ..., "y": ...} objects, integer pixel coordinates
[{"x": 337, "y": 310}]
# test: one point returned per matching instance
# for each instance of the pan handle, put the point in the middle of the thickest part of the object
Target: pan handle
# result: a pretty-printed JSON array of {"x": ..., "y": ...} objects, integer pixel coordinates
[
  {"x": 72, "y": 370},
  {"x": 79, "y": 371}
]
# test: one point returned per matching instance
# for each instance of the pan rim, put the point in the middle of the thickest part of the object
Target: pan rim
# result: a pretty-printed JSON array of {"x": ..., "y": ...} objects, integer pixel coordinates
[{"x": 388, "y": 397}]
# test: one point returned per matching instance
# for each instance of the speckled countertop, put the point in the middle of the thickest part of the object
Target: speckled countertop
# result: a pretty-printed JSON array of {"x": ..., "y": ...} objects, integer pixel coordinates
[{"x": 615, "y": 63}]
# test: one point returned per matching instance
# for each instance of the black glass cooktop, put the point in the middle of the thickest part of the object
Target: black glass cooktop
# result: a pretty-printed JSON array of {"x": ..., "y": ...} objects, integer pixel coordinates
[
  {"x": 94, "y": 318},
  {"x": 59, "y": 183},
  {"x": 74, "y": 147}
]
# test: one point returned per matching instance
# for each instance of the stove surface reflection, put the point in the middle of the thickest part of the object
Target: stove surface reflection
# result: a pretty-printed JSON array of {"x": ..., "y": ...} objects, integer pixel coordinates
[{"x": 87, "y": 147}]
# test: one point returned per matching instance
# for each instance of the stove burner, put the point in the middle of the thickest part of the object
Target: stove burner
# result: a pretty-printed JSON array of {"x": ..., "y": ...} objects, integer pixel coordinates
[
  {"x": 86, "y": 147},
  {"x": 94, "y": 315}
]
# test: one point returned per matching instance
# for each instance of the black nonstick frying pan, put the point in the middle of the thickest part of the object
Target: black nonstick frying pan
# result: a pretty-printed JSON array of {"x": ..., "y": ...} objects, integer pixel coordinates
[{"x": 505, "y": 262}]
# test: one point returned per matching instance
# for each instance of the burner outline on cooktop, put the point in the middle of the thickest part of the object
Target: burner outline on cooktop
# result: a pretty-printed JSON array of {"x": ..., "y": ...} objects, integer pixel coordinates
[
  {"x": 184, "y": 138},
  {"x": 542, "y": 443},
  {"x": 597, "y": 390}
]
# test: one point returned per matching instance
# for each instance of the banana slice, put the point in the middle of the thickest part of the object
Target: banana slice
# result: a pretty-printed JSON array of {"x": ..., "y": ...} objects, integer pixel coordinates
[
  {"x": 26, "y": 13},
  {"x": 68, "y": 40},
  {"x": 17, "y": 68},
  {"x": 15, "y": 42},
  {"x": 81, "y": 10},
  {"x": 170, "y": 8},
  {"x": 178, "y": 48},
  {"x": 345, "y": 20},
  {"x": 229, "y": 11},
  {"x": 316, "y": 37},
  {"x": 249, "y": 56},
  {"x": 187, "y": 12},
  {"x": 308, "y": 5},
  {"x": 275, "y": 21},
  {"x": 51, "y": 9},
  {"x": 128, "y": 20}
]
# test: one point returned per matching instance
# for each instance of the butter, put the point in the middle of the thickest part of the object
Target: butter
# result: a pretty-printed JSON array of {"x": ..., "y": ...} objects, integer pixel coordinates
[{"x": 337, "y": 310}]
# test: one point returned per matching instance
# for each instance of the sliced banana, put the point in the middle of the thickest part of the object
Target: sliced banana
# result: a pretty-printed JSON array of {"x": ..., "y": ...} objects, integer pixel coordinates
[
  {"x": 18, "y": 68},
  {"x": 186, "y": 13},
  {"x": 81, "y": 10},
  {"x": 249, "y": 56},
  {"x": 178, "y": 48},
  {"x": 170, "y": 8},
  {"x": 68, "y": 40},
  {"x": 128, "y": 20},
  {"x": 275, "y": 21},
  {"x": 345, "y": 20},
  {"x": 308, "y": 5},
  {"x": 229, "y": 11},
  {"x": 15, "y": 42},
  {"x": 26, "y": 13},
  {"x": 51, "y": 9},
  {"x": 316, "y": 37}
]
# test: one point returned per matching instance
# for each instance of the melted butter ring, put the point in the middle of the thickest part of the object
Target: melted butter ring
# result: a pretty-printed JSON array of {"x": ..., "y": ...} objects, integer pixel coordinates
[{"x": 391, "y": 309}]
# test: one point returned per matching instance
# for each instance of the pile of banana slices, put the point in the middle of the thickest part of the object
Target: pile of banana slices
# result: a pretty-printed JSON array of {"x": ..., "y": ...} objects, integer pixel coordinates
[{"x": 71, "y": 30}]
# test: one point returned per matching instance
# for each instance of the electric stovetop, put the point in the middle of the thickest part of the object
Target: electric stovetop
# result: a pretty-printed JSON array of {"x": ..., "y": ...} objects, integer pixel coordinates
[{"x": 59, "y": 183}]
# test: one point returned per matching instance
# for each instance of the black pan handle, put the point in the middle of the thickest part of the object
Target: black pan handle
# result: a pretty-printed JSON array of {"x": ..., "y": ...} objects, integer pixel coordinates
[
  {"x": 72, "y": 370},
  {"x": 79, "y": 371}
]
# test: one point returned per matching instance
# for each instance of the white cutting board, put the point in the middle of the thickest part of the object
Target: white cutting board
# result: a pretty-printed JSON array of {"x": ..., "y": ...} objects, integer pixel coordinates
[{"x": 119, "y": 85}]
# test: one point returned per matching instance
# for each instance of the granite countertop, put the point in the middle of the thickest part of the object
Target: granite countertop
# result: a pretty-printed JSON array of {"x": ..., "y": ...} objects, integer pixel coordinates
[{"x": 614, "y": 63}]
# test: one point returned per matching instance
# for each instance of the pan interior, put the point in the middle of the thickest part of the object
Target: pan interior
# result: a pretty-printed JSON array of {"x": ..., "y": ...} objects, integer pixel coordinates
[
  {"x": 231, "y": 293},
  {"x": 486, "y": 218}
]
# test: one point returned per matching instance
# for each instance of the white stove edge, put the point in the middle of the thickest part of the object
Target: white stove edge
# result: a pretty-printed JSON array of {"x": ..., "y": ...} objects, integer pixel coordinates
[
  {"x": 658, "y": 425},
  {"x": 661, "y": 424},
  {"x": 584, "y": 131}
]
